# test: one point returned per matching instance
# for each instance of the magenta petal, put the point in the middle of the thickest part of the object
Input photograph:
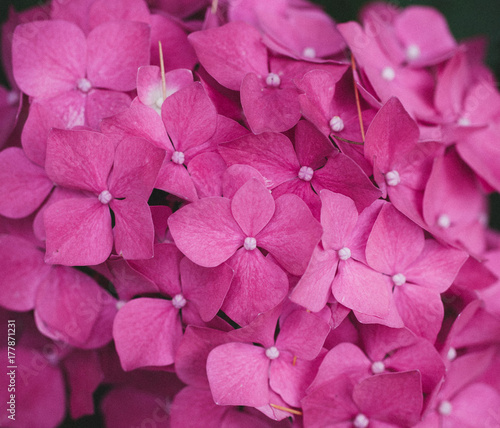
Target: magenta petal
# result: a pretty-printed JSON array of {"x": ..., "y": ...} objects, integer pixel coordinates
[
  {"x": 229, "y": 52},
  {"x": 79, "y": 159},
  {"x": 236, "y": 176},
  {"x": 134, "y": 231},
  {"x": 206, "y": 171},
  {"x": 147, "y": 333},
  {"x": 116, "y": 49},
  {"x": 252, "y": 207},
  {"x": 206, "y": 232},
  {"x": 136, "y": 165},
  {"x": 272, "y": 154},
  {"x": 23, "y": 269},
  {"x": 189, "y": 117},
  {"x": 174, "y": 178},
  {"x": 206, "y": 288},
  {"x": 393, "y": 397},
  {"x": 237, "y": 373},
  {"x": 103, "y": 11},
  {"x": 78, "y": 232},
  {"x": 291, "y": 235},
  {"x": 48, "y": 57},
  {"x": 24, "y": 184},
  {"x": 311, "y": 145},
  {"x": 104, "y": 103},
  {"x": 268, "y": 109},
  {"x": 475, "y": 405},
  {"x": 313, "y": 289},
  {"x": 258, "y": 286},
  {"x": 394, "y": 242},
  {"x": 351, "y": 290}
]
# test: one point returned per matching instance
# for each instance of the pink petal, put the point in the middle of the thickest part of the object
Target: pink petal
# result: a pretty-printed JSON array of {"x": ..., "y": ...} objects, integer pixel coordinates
[
  {"x": 272, "y": 154},
  {"x": 103, "y": 11},
  {"x": 394, "y": 242},
  {"x": 206, "y": 171},
  {"x": 134, "y": 231},
  {"x": 268, "y": 109},
  {"x": 206, "y": 232},
  {"x": 79, "y": 159},
  {"x": 229, "y": 52},
  {"x": 174, "y": 178},
  {"x": 252, "y": 207},
  {"x": 104, "y": 103},
  {"x": 313, "y": 289},
  {"x": 135, "y": 168},
  {"x": 24, "y": 184},
  {"x": 116, "y": 50},
  {"x": 311, "y": 145},
  {"x": 258, "y": 286},
  {"x": 236, "y": 176},
  {"x": 48, "y": 57},
  {"x": 189, "y": 117},
  {"x": 206, "y": 288},
  {"x": 23, "y": 269},
  {"x": 237, "y": 374},
  {"x": 147, "y": 332},
  {"x": 127, "y": 281},
  {"x": 78, "y": 232},
  {"x": 291, "y": 235}
]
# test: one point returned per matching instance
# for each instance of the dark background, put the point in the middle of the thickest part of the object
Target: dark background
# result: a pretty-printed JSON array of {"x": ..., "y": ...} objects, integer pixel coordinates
[{"x": 466, "y": 18}]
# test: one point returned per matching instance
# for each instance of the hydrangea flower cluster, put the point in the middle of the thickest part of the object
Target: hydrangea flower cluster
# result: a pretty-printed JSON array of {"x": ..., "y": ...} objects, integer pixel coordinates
[{"x": 265, "y": 220}]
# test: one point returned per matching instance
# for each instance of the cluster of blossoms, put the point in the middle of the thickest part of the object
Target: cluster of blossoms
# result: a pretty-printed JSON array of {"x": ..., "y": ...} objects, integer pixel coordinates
[{"x": 272, "y": 220}]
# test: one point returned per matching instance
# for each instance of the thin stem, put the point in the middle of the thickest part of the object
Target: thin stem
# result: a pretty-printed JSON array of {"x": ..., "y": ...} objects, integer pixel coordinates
[
  {"x": 162, "y": 68},
  {"x": 356, "y": 94},
  {"x": 286, "y": 409}
]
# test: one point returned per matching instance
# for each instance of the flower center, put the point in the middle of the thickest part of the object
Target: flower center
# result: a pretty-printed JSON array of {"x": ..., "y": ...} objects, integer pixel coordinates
[
  {"x": 444, "y": 221},
  {"x": 159, "y": 102},
  {"x": 105, "y": 197},
  {"x": 378, "y": 367},
  {"x": 452, "y": 354},
  {"x": 273, "y": 80},
  {"x": 52, "y": 356},
  {"x": 398, "y": 279},
  {"x": 344, "y": 253},
  {"x": 12, "y": 98},
  {"x": 361, "y": 421},
  {"x": 272, "y": 353},
  {"x": 445, "y": 408},
  {"x": 120, "y": 304},
  {"x": 306, "y": 173},
  {"x": 178, "y": 158},
  {"x": 84, "y": 85},
  {"x": 463, "y": 121},
  {"x": 309, "y": 52},
  {"x": 250, "y": 243},
  {"x": 179, "y": 301},
  {"x": 336, "y": 124},
  {"x": 392, "y": 178},
  {"x": 388, "y": 74},
  {"x": 412, "y": 52}
]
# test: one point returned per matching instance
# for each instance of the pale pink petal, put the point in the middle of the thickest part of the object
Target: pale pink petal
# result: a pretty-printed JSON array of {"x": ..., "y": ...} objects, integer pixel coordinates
[
  {"x": 206, "y": 232},
  {"x": 229, "y": 52},
  {"x": 79, "y": 159},
  {"x": 48, "y": 57},
  {"x": 25, "y": 185},
  {"x": 116, "y": 50},
  {"x": 78, "y": 232},
  {"x": 237, "y": 373},
  {"x": 147, "y": 332},
  {"x": 134, "y": 231},
  {"x": 291, "y": 235}
]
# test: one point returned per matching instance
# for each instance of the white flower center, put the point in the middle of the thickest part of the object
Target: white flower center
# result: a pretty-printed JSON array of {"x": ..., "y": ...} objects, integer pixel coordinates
[
  {"x": 388, "y": 74},
  {"x": 309, "y": 52},
  {"x": 84, "y": 85},
  {"x": 399, "y": 279},
  {"x": 445, "y": 408},
  {"x": 361, "y": 421},
  {"x": 464, "y": 121},
  {"x": 105, "y": 197},
  {"x": 273, "y": 80},
  {"x": 272, "y": 353},
  {"x": 452, "y": 354},
  {"x": 179, "y": 301},
  {"x": 159, "y": 102},
  {"x": 306, "y": 173},
  {"x": 378, "y": 367},
  {"x": 250, "y": 243},
  {"x": 392, "y": 178},
  {"x": 344, "y": 253},
  {"x": 444, "y": 221},
  {"x": 413, "y": 52},
  {"x": 120, "y": 304},
  {"x": 178, "y": 158},
  {"x": 336, "y": 124}
]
